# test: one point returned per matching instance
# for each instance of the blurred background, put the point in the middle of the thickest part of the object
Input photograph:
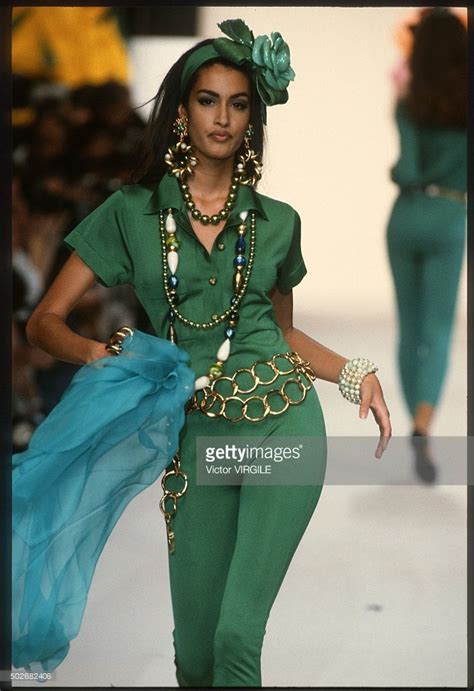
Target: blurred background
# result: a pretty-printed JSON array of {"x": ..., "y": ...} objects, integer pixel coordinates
[{"x": 83, "y": 81}]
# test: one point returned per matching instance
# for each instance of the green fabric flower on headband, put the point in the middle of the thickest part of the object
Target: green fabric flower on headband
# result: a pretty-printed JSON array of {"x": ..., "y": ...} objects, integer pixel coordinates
[{"x": 268, "y": 57}]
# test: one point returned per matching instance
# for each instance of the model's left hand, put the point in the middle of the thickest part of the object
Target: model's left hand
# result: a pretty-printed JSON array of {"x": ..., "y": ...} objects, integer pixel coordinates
[{"x": 372, "y": 397}]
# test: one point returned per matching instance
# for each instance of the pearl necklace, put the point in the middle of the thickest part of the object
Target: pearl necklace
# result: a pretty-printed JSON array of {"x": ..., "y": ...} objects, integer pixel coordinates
[
  {"x": 169, "y": 246},
  {"x": 221, "y": 215}
]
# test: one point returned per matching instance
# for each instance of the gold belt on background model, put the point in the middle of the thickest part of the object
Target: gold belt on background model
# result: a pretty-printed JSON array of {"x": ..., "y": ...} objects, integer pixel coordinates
[
  {"x": 217, "y": 399},
  {"x": 439, "y": 191}
]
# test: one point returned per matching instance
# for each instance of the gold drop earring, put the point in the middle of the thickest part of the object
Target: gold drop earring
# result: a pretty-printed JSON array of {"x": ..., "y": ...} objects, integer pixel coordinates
[
  {"x": 179, "y": 157},
  {"x": 249, "y": 158}
]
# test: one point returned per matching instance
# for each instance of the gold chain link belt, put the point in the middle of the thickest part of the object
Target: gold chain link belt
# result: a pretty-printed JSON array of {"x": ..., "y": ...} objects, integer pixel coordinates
[{"x": 213, "y": 403}]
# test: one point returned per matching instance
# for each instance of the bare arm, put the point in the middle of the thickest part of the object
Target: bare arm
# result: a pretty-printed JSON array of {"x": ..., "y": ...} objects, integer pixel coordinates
[
  {"x": 327, "y": 364},
  {"x": 46, "y": 328}
]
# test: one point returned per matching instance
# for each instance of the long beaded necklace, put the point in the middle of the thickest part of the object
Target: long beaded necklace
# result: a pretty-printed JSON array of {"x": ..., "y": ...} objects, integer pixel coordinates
[{"x": 169, "y": 253}]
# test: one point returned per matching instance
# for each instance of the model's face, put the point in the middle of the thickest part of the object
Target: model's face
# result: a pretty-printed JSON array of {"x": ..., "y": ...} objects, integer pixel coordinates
[{"x": 218, "y": 111}]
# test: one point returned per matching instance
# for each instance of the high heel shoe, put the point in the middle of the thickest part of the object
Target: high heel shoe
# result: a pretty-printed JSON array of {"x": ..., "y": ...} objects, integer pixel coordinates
[{"x": 424, "y": 466}]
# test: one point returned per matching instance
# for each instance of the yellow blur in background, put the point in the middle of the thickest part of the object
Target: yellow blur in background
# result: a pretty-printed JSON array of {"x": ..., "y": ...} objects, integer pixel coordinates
[{"x": 69, "y": 45}]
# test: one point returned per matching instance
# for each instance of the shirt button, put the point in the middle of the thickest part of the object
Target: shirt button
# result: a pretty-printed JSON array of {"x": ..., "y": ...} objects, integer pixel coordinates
[
  {"x": 213, "y": 281},
  {"x": 221, "y": 246}
]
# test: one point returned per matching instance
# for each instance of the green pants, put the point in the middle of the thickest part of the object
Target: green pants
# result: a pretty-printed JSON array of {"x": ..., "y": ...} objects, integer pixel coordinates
[
  {"x": 425, "y": 240},
  {"x": 234, "y": 544}
]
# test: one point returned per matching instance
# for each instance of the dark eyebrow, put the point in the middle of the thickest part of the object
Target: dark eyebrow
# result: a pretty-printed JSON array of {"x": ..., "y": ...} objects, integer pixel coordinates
[{"x": 213, "y": 93}]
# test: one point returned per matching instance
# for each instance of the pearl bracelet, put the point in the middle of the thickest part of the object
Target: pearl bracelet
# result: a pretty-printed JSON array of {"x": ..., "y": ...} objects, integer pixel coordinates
[{"x": 351, "y": 376}]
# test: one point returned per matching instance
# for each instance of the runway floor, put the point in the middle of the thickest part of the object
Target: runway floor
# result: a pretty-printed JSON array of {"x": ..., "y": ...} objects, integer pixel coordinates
[{"x": 376, "y": 592}]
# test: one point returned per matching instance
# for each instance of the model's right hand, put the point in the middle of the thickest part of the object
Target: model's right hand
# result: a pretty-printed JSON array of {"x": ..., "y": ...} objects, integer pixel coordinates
[
  {"x": 98, "y": 351},
  {"x": 47, "y": 328}
]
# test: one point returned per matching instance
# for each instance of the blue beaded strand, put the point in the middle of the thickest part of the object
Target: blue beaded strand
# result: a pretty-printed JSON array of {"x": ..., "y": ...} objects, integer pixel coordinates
[
  {"x": 240, "y": 245},
  {"x": 240, "y": 260}
]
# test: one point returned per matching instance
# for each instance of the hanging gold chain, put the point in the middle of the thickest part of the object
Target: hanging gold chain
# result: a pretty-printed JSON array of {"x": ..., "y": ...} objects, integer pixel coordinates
[{"x": 172, "y": 495}]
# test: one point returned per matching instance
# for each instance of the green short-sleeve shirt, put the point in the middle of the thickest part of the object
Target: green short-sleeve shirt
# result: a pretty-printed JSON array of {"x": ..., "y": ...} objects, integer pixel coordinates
[
  {"x": 120, "y": 242},
  {"x": 429, "y": 155},
  {"x": 101, "y": 240}
]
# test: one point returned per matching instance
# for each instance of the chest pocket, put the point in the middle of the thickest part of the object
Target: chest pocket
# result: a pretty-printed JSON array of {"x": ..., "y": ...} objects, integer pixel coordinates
[
  {"x": 264, "y": 271},
  {"x": 152, "y": 296},
  {"x": 152, "y": 289}
]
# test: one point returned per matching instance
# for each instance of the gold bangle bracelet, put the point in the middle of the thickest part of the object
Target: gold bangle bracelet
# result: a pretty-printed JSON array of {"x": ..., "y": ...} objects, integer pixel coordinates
[{"x": 115, "y": 343}]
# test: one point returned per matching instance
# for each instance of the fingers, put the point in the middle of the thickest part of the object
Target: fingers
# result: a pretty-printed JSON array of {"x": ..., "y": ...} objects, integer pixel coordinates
[
  {"x": 384, "y": 421},
  {"x": 368, "y": 393},
  {"x": 381, "y": 446},
  {"x": 382, "y": 417},
  {"x": 364, "y": 405},
  {"x": 379, "y": 450},
  {"x": 373, "y": 400}
]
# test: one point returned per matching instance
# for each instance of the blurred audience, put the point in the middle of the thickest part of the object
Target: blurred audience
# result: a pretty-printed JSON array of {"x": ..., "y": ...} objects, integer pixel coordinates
[{"x": 74, "y": 149}]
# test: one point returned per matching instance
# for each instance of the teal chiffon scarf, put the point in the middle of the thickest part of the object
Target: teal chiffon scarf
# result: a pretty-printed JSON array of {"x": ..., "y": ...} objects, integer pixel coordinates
[{"x": 114, "y": 431}]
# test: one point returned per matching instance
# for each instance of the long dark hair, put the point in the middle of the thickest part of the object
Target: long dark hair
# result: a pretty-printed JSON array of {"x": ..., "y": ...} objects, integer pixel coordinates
[
  {"x": 437, "y": 94},
  {"x": 158, "y": 135}
]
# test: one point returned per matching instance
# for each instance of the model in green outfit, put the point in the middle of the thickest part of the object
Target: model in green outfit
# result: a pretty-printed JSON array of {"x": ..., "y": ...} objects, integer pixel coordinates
[
  {"x": 232, "y": 543},
  {"x": 427, "y": 226}
]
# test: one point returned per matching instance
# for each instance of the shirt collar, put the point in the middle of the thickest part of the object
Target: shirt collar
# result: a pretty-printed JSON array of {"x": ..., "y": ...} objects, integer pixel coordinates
[{"x": 167, "y": 195}]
